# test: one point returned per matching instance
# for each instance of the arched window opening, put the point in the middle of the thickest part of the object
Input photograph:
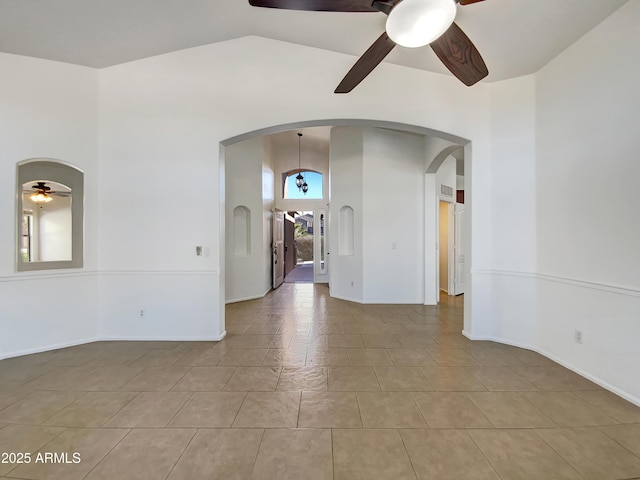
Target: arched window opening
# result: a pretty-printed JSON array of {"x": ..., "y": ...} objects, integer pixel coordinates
[{"x": 313, "y": 180}]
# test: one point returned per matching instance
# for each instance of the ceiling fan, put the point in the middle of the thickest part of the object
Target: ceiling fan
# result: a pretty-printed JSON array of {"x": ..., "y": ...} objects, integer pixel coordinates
[
  {"x": 410, "y": 23},
  {"x": 42, "y": 193}
]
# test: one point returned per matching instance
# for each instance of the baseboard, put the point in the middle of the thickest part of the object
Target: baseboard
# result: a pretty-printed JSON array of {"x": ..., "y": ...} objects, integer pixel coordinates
[
  {"x": 339, "y": 297},
  {"x": 163, "y": 339},
  {"x": 58, "y": 346},
  {"x": 598, "y": 381},
  {"x": 244, "y": 299},
  {"x": 48, "y": 348},
  {"x": 377, "y": 302}
]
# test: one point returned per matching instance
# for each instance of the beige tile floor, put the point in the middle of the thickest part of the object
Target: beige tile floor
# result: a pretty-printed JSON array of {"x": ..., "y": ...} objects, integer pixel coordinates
[{"x": 305, "y": 386}]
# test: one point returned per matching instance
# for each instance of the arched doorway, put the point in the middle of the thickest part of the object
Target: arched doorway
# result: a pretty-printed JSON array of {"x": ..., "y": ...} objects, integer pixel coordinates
[{"x": 444, "y": 145}]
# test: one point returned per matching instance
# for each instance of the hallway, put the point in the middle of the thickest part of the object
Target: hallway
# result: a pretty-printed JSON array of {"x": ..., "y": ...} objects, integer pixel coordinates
[
  {"x": 301, "y": 273},
  {"x": 306, "y": 386}
]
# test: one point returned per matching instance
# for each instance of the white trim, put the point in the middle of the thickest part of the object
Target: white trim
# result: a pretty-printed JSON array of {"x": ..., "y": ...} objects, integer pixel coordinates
[
  {"x": 377, "y": 302},
  {"x": 244, "y": 299},
  {"x": 159, "y": 272},
  {"x": 48, "y": 348},
  {"x": 22, "y": 276},
  {"x": 58, "y": 346},
  {"x": 633, "y": 292},
  {"x": 164, "y": 339},
  {"x": 607, "y": 386},
  {"x": 339, "y": 297}
]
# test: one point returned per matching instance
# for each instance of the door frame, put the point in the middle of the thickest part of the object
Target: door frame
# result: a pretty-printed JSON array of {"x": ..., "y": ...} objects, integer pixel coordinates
[{"x": 277, "y": 248}]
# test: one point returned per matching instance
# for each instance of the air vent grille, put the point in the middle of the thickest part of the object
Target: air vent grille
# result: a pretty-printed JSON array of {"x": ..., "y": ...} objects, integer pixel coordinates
[{"x": 446, "y": 190}]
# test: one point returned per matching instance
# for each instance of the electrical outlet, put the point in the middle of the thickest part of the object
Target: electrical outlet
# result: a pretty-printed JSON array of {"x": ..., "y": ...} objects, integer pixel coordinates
[
  {"x": 141, "y": 313},
  {"x": 353, "y": 283},
  {"x": 578, "y": 336}
]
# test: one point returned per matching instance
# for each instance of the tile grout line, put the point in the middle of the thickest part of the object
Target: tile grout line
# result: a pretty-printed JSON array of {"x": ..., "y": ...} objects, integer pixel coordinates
[
  {"x": 556, "y": 452},
  {"x": 182, "y": 453},
  {"x": 466, "y": 431},
  {"x": 244, "y": 398},
  {"x": 109, "y": 452},
  {"x": 179, "y": 408}
]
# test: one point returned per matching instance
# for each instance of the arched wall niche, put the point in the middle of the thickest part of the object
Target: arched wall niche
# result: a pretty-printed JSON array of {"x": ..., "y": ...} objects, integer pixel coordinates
[
  {"x": 346, "y": 231},
  {"x": 241, "y": 231}
]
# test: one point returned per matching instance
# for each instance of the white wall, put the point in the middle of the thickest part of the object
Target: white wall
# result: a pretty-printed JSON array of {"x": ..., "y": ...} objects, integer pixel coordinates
[
  {"x": 446, "y": 175},
  {"x": 162, "y": 119},
  {"x": 563, "y": 148},
  {"x": 513, "y": 178},
  {"x": 248, "y": 274},
  {"x": 47, "y": 109},
  {"x": 393, "y": 222},
  {"x": 588, "y": 260},
  {"x": 346, "y": 177},
  {"x": 387, "y": 263}
]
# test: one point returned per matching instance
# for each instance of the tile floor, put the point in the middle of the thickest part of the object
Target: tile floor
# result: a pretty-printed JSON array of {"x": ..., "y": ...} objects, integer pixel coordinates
[{"x": 305, "y": 386}]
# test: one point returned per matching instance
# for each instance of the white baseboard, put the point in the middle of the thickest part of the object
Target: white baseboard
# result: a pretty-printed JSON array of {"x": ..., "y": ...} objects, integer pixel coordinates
[
  {"x": 607, "y": 386},
  {"x": 244, "y": 299},
  {"x": 48, "y": 348},
  {"x": 162, "y": 339}
]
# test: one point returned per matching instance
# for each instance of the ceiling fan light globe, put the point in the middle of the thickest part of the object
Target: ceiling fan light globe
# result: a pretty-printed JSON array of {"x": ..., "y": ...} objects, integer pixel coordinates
[
  {"x": 40, "y": 198},
  {"x": 416, "y": 23}
]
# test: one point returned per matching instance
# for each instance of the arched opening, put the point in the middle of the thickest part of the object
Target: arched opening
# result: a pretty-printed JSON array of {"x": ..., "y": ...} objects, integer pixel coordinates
[{"x": 432, "y": 158}]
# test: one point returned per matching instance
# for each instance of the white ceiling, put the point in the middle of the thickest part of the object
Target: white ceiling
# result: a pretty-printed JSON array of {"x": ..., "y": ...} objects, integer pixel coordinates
[{"x": 515, "y": 37}]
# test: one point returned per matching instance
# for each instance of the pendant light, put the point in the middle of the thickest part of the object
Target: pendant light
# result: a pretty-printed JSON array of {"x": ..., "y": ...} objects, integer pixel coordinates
[{"x": 301, "y": 183}]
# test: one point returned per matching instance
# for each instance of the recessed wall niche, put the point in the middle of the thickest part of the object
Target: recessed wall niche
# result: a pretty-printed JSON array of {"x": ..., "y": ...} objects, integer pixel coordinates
[
  {"x": 346, "y": 233},
  {"x": 241, "y": 231},
  {"x": 49, "y": 215}
]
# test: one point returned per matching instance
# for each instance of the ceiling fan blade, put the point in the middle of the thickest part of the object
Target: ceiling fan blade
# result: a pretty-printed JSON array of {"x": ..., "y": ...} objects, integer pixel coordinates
[
  {"x": 469, "y": 2},
  {"x": 317, "y": 5},
  {"x": 460, "y": 56},
  {"x": 366, "y": 63}
]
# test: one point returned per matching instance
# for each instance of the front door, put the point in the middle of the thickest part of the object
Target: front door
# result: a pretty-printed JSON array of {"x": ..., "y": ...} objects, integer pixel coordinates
[
  {"x": 320, "y": 247},
  {"x": 278, "y": 248}
]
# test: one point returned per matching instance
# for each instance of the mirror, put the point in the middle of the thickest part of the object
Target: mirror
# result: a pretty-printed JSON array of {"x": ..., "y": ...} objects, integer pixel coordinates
[{"x": 49, "y": 215}]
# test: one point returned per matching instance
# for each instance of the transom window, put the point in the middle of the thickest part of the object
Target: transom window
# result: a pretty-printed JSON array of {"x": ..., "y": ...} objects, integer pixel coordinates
[{"x": 313, "y": 180}]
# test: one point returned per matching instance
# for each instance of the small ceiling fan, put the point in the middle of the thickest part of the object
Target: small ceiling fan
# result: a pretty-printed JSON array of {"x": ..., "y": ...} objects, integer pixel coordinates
[
  {"x": 410, "y": 23},
  {"x": 42, "y": 193}
]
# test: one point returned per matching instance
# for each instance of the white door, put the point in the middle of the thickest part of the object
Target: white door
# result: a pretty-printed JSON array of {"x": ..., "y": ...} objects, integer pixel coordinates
[
  {"x": 320, "y": 247},
  {"x": 458, "y": 249},
  {"x": 278, "y": 248}
]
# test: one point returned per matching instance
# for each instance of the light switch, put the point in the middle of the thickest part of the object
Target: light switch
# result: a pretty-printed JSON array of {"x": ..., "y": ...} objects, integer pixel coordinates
[{"x": 199, "y": 251}]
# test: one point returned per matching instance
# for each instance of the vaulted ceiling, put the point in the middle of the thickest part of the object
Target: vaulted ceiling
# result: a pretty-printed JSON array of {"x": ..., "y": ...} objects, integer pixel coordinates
[{"x": 515, "y": 37}]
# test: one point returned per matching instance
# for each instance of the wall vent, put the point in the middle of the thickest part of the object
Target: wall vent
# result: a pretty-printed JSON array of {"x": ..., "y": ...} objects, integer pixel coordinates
[{"x": 446, "y": 190}]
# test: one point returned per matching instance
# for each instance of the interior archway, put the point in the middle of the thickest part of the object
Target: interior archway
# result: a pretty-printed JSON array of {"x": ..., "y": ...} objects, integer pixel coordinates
[{"x": 453, "y": 142}]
